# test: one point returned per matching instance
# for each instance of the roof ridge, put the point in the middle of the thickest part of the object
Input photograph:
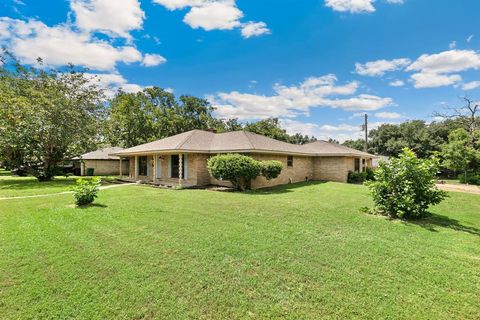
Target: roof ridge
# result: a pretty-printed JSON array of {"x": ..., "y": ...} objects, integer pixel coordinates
[
  {"x": 189, "y": 136},
  {"x": 248, "y": 138}
]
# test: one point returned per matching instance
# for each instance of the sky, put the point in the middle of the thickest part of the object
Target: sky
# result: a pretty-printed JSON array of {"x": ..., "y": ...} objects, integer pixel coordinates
[{"x": 317, "y": 65}]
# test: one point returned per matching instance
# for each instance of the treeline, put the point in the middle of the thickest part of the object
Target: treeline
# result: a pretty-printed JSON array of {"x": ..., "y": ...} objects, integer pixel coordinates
[{"x": 47, "y": 116}]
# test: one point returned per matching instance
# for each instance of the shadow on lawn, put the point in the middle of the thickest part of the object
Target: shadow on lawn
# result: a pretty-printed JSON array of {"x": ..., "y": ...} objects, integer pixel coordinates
[
  {"x": 92, "y": 205},
  {"x": 283, "y": 188},
  {"x": 435, "y": 220}
]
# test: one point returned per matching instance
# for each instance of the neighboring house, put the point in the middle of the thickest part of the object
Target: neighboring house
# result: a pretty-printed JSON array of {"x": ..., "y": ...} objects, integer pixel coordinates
[
  {"x": 101, "y": 162},
  {"x": 182, "y": 159}
]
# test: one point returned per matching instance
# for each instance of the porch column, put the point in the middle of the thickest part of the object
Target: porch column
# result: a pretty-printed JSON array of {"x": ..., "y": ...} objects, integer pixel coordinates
[
  {"x": 155, "y": 159},
  {"x": 136, "y": 169},
  {"x": 82, "y": 168},
  {"x": 121, "y": 173},
  {"x": 180, "y": 168}
]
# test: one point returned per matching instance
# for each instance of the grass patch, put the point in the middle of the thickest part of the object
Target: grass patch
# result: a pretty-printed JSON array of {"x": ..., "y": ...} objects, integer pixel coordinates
[
  {"x": 295, "y": 252},
  {"x": 11, "y": 186}
]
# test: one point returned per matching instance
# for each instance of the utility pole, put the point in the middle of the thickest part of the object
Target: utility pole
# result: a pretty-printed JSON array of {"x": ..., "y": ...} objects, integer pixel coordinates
[{"x": 365, "y": 128}]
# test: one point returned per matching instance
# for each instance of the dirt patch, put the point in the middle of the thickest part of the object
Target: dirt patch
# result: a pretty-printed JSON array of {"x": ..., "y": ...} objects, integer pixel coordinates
[{"x": 459, "y": 188}]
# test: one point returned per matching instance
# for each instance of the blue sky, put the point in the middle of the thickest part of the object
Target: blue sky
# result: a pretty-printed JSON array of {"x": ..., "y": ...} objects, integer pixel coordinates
[{"x": 315, "y": 64}]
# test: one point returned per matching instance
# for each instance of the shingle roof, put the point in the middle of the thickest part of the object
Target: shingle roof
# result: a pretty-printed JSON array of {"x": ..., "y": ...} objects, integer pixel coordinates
[
  {"x": 237, "y": 141},
  {"x": 101, "y": 154}
]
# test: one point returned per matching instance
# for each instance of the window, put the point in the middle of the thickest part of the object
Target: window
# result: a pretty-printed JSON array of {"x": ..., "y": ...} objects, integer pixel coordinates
[
  {"x": 143, "y": 166},
  {"x": 289, "y": 161},
  {"x": 357, "y": 165}
]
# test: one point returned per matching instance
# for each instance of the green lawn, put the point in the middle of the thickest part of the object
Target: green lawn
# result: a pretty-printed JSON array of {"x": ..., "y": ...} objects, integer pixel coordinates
[
  {"x": 28, "y": 186},
  {"x": 295, "y": 252}
]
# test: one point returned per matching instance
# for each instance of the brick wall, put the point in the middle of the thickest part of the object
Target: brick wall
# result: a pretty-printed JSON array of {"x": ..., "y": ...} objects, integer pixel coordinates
[
  {"x": 106, "y": 167},
  {"x": 332, "y": 168}
]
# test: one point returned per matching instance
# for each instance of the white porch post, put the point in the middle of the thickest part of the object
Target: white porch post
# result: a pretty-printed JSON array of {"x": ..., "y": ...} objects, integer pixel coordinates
[
  {"x": 155, "y": 159},
  {"x": 121, "y": 173},
  {"x": 136, "y": 169},
  {"x": 180, "y": 168}
]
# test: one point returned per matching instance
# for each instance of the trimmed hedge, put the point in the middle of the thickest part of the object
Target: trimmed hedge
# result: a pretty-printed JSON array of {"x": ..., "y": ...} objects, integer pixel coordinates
[{"x": 240, "y": 170}]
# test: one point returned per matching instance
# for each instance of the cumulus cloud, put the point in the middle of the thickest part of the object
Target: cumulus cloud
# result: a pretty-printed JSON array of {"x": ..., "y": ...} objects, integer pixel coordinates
[
  {"x": 397, "y": 83},
  {"x": 436, "y": 70},
  {"x": 339, "y": 132},
  {"x": 115, "y": 18},
  {"x": 111, "y": 83},
  {"x": 352, "y": 6},
  {"x": 471, "y": 85},
  {"x": 60, "y": 45},
  {"x": 254, "y": 29},
  {"x": 152, "y": 60},
  {"x": 215, "y": 15},
  {"x": 291, "y": 101},
  {"x": 388, "y": 115},
  {"x": 380, "y": 67}
]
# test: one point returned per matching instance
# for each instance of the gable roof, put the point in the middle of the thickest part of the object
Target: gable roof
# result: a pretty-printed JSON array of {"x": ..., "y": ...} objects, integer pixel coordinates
[
  {"x": 101, "y": 154},
  {"x": 237, "y": 141}
]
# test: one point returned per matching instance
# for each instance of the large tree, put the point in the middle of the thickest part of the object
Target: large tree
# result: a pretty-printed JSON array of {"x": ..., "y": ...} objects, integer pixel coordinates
[
  {"x": 152, "y": 114},
  {"x": 46, "y": 116},
  {"x": 460, "y": 153},
  {"x": 271, "y": 128}
]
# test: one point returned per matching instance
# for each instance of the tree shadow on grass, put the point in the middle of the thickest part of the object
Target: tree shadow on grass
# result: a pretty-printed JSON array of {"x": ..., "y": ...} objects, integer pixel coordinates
[
  {"x": 92, "y": 205},
  {"x": 283, "y": 188},
  {"x": 435, "y": 221}
]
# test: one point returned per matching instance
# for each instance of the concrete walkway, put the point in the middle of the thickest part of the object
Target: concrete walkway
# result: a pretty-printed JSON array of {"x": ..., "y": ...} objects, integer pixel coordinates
[
  {"x": 64, "y": 192},
  {"x": 459, "y": 188}
]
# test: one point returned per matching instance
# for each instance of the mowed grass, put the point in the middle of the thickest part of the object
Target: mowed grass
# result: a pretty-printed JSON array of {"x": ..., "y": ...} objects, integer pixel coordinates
[
  {"x": 294, "y": 252},
  {"x": 28, "y": 186}
]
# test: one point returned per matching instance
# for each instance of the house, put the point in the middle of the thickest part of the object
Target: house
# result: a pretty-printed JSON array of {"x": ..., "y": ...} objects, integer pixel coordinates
[
  {"x": 182, "y": 159},
  {"x": 101, "y": 163}
]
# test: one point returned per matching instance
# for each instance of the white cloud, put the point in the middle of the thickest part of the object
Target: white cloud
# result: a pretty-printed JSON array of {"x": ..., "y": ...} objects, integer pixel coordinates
[
  {"x": 291, "y": 101},
  {"x": 254, "y": 29},
  {"x": 215, "y": 15},
  {"x": 112, "y": 82},
  {"x": 470, "y": 38},
  {"x": 397, "y": 83},
  {"x": 452, "y": 45},
  {"x": 440, "y": 69},
  {"x": 60, "y": 45},
  {"x": 471, "y": 85},
  {"x": 151, "y": 60},
  {"x": 380, "y": 67},
  {"x": 352, "y": 6},
  {"x": 340, "y": 132},
  {"x": 388, "y": 115},
  {"x": 434, "y": 80},
  {"x": 447, "y": 62},
  {"x": 115, "y": 18}
]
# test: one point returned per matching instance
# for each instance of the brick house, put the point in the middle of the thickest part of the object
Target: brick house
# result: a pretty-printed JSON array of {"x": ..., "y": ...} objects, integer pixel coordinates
[
  {"x": 102, "y": 162},
  {"x": 182, "y": 159}
]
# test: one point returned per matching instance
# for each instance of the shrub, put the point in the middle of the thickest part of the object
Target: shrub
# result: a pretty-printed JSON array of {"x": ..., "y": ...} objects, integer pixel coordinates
[
  {"x": 356, "y": 177},
  {"x": 471, "y": 178},
  {"x": 271, "y": 169},
  {"x": 240, "y": 170},
  {"x": 370, "y": 174},
  {"x": 405, "y": 186},
  {"x": 86, "y": 191}
]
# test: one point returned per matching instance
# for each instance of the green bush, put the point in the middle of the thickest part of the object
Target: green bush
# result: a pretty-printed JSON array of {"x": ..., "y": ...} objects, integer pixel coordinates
[
  {"x": 271, "y": 169},
  {"x": 356, "y": 177},
  {"x": 471, "y": 178},
  {"x": 405, "y": 186},
  {"x": 86, "y": 191},
  {"x": 370, "y": 174},
  {"x": 240, "y": 170}
]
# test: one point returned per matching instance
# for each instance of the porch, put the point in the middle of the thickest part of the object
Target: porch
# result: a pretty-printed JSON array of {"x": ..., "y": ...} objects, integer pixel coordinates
[{"x": 169, "y": 170}]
